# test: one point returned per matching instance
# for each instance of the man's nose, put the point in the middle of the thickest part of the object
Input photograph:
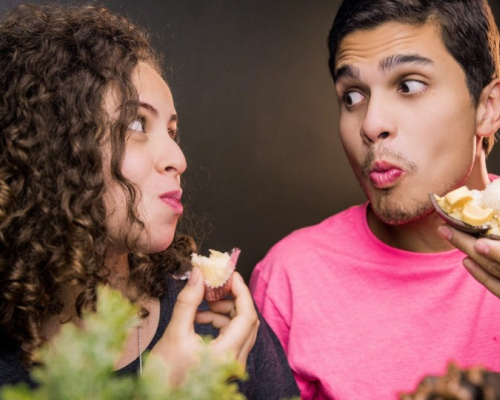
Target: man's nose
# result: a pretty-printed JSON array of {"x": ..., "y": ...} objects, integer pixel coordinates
[{"x": 379, "y": 122}]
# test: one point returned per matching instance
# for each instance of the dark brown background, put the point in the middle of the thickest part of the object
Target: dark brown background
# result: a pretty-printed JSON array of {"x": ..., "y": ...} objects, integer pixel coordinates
[{"x": 258, "y": 115}]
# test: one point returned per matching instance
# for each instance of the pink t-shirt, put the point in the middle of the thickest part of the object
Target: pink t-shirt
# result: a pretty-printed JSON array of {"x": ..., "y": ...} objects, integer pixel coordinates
[{"x": 361, "y": 320}]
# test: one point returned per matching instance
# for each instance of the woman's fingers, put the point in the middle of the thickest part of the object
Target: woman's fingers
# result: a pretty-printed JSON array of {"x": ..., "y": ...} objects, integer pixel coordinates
[
  {"x": 179, "y": 345},
  {"x": 220, "y": 314},
  {"x": 243, "y": 301},
  {"x": 247, "y": 346},
  {"x": 219, "y": 321},
  {"x": 223, "y": 307},
  {"x": 236, "y": 320},
  {"x": 245, "y": 323},
  {"x": 187, "y": 303}
]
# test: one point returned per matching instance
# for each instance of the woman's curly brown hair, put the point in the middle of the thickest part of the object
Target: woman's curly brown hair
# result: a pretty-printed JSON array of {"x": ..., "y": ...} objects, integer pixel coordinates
[{"x": 56, "y": 65}]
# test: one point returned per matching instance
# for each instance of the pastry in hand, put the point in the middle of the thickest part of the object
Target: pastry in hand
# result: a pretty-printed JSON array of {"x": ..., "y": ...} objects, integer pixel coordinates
[{"x": 217, "y": 270}]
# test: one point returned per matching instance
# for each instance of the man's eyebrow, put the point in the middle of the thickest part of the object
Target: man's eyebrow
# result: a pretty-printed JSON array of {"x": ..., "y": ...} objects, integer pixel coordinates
[
  {"x": 347, "y": 71},
  {"x": 386, "y": 65},
  {"x": 397, "y": 60}
]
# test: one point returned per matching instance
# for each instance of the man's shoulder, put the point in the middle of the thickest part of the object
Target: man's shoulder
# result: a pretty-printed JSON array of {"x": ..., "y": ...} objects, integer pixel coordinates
[
  {"x": 306, "y": 245},
  {"x": 335, "y": 226},
  {"x": 312, "y": 248}
]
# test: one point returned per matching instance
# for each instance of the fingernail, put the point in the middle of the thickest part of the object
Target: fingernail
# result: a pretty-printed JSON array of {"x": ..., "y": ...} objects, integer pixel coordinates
[
  {"x": 235, "y": 273},
  {"x": 444, "y": 232},
  {"x": 482, "y": 247},
  {"x": 469, "y": 264},
  {"x": 194, "y": 276}
]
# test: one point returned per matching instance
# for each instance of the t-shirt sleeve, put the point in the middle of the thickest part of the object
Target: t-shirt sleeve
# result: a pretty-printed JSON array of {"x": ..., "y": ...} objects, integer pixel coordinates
[
  {"x": 278, "y": 322},
  {"x": 271, "y": 290},
  {"x": 271, "y": 376}
]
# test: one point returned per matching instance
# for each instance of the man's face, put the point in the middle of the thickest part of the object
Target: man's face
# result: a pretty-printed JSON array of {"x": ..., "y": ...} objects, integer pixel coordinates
[{"x": 407, "y": 120}]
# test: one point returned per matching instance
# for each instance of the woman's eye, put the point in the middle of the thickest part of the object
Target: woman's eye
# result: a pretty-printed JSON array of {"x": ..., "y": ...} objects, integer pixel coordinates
[
  {"x": 173, "y": 133},
  {"x": 412, "y": 87},
  {"x": 353, "y": 98},
  {"x": 137, "y": 125}
]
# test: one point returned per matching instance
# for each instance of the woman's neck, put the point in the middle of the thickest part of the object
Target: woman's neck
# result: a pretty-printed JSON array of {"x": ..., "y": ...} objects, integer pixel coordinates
[
  {"x": 118, "y": 267},
  {"x": 119, "y": 272}
]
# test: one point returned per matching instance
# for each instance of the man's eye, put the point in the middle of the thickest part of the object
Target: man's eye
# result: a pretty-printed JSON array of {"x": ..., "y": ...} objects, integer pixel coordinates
[
  {"x": 137, "y": 125},
  {"x": 352, "y": 98},
  {"x": 412, "y": 87}
]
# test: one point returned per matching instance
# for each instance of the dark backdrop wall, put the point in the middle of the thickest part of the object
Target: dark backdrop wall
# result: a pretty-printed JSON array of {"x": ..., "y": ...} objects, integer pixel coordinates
[{"x": 257, "y": 115}]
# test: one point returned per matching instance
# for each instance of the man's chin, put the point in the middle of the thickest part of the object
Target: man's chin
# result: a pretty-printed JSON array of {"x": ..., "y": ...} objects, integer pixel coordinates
[{"x": 394, "y": 214}]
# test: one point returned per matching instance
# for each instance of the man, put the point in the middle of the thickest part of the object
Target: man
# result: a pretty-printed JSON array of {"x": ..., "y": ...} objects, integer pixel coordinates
[{"x": 372, "y": 299}]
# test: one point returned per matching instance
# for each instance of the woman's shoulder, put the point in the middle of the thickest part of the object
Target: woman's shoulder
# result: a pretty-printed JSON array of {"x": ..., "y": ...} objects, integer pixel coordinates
[{"x": 12, "y": 372}]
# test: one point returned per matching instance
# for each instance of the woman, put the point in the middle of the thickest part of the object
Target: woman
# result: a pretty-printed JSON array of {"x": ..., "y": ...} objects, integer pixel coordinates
[{"x": 90, "y": 193}]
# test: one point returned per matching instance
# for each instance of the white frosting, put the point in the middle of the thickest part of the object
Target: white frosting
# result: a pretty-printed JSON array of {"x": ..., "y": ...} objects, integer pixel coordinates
[
  {"x": 491, "y": 196},
  {"x": 216, "y": 268}
]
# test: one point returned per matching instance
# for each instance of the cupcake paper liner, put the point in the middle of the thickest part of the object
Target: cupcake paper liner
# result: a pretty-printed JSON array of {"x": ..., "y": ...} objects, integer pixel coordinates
[{"x": 217, "y": 293}]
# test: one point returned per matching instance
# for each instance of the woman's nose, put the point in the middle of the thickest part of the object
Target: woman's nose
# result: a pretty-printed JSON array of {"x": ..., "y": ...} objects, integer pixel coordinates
[{"x": 173, "y": 159}]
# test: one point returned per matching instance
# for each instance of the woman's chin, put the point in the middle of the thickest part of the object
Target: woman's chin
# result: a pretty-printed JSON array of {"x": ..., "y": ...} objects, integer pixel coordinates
[{"x": 159, "y": 246}]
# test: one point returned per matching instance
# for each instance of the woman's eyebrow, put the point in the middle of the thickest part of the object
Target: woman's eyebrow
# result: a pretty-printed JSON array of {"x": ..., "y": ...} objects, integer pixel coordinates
[
  {"x": 154, "y": 111},
  {"x": 149, "y": 107}
]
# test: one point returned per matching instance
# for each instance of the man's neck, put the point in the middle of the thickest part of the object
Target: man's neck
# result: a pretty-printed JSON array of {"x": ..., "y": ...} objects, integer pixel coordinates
[{"x": 418, "y": 236}]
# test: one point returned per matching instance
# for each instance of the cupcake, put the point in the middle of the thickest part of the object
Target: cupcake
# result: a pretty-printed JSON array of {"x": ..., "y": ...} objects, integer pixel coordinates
[{"x": 217, "y": 270}]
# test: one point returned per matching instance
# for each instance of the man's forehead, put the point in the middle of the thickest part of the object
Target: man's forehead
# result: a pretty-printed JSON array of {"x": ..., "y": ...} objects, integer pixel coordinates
[
  {"x": 388, "y": 44},
  {"x": 385, "y": 65}
]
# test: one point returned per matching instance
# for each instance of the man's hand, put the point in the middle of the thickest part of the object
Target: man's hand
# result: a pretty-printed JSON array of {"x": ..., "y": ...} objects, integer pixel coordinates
[{"x": 483, "y": 261}]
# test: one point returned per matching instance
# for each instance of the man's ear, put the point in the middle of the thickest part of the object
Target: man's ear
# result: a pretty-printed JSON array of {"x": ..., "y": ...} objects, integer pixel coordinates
[{"x": 488, "y": 110}]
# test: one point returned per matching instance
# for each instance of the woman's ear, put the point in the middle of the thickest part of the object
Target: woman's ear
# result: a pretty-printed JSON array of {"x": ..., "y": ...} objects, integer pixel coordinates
[{"x": 488, "y": 110}]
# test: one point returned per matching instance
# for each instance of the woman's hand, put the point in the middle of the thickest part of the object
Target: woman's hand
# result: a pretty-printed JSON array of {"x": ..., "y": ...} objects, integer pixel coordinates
[
  {"x": 236, "y": 319},
  {"x": 483, "y": 261}
]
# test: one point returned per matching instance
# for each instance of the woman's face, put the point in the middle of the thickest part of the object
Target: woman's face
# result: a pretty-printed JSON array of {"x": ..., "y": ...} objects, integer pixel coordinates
[{"x": 153, "y": 162}]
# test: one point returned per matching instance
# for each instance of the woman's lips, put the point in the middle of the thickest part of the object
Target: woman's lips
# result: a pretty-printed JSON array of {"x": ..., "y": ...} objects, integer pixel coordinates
[
  {"x": 384, "y": 175},
  {"x": 173, "y": 199}
]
